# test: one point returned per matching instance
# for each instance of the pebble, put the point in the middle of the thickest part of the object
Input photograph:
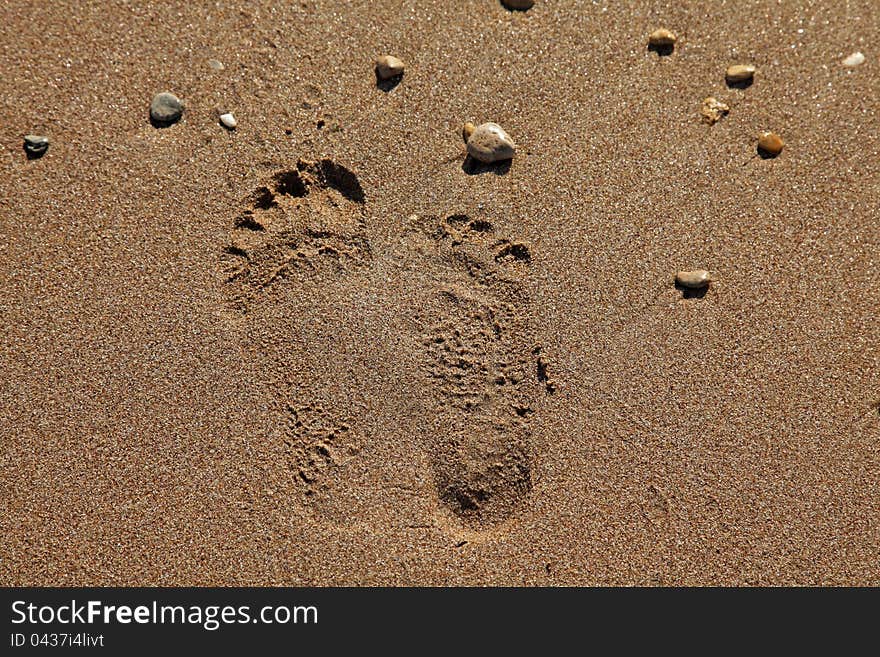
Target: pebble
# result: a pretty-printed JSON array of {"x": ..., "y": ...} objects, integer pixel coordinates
[
  {"x": 713, "y": 110},
  {"x": 522, "y": 5},
  {"x": 36, "y": 145},
  {"x": 740, "y": 73},
  {"x": 661, "y": 38},
  {"x": 855, "y": 59},
  {"x": 770, "y": 143},
  {"x": 228, "y": 121},
  {"x": 467, "y": 130},
  {"x": 388, "y": 67},
  {"x": 489, "y": 143},
  {"x": 216, "y": 64},
  {"x": 694, "y": 280},
  {"x": 166, "y": 108}
]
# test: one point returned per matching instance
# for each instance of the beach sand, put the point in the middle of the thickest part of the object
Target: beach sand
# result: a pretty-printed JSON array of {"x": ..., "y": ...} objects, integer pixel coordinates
[{"x": 321, "y": 349}]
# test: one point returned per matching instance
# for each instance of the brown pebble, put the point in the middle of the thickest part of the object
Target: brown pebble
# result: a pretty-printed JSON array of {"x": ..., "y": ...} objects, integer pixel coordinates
[
  {"x": 740, "y": 74},
  {"x": 770, "y": 144},
  {"x": 696, "y": 279},
  {"x": 388, "y": 67},
  {"x": 661, "y": 38},
  {"x": 713, "y": 110},
  {"x": 467, "y": 130}
]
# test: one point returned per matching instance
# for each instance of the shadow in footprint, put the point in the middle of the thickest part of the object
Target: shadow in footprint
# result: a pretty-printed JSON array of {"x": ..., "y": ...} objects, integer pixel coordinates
[
  {"x": 513, "y": 251},
  {"x": 692, "y": 293},
  {"x": 474, "y": 167}
]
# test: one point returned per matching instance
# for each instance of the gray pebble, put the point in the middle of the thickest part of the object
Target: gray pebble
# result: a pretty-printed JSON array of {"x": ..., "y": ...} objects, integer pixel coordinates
[
  {"x": 36, "y": 145},
  {"x": 166, "y": 108},
  {"x": 215, "y": 64}
]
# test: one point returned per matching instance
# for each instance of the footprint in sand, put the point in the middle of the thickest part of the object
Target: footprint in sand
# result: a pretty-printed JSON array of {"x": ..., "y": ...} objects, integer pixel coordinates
[
  {"x": 316, "y": 445},
  {"x": 298, "y": 226},
  {"x": 482, "y": 362},
  {"x": 298, "y": 220}
]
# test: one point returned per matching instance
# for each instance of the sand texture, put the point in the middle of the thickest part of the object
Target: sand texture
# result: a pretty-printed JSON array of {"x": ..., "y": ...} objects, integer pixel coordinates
[{"x": 323, "y": 348}]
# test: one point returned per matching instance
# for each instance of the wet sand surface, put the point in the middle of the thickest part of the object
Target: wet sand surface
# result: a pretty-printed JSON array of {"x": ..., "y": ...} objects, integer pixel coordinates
[{"x": 322, "y": 349}]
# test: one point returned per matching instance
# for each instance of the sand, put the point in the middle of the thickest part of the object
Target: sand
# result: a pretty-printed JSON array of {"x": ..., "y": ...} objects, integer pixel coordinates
[{"x": 321, "y": 349}]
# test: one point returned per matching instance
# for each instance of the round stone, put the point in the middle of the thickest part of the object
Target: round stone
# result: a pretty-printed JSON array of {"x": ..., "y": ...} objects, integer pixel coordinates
[
  {"x": 228, "y": 121},
  {"x": 388, "y": 67},
  {"x": 36, "y": 145},
  {"x": 770, "y": 144},
  {"x": 662, "y": 38},
  {"x": 489, "y": 143},
  {"x": 166, "y": 108}
]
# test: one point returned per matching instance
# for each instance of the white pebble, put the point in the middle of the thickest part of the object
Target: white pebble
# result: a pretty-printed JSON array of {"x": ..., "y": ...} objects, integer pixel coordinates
[
  {"x": 228, "y": 121},
  {"x": 489, "y": 143},
  {"x": 855, "y": 59},
  {"x": 740, "y": 73},
  {"x": 694, "y": 280}
]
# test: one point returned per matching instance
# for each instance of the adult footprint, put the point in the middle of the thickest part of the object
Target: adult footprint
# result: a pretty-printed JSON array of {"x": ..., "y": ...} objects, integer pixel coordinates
[{"x": 482, "y": 363}]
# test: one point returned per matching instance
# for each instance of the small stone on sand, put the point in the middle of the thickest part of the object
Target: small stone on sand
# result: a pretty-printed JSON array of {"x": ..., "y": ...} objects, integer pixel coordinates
[
  {"x": 770, "y": 144},
  {"x": 36, "y": 145},
  {"x": 166, "y": 108},
  {"x": 388, "y": 67},
  {"x": 694, "y": 280},
  {"x": 228, "y": 121},
  {"x": 215, "y": 64},
  {"x": 521, "y": 5},
  {"x": 855, "y": 59},
  {"x": 740, "y": 74},
  {"x": 661, "y": 38},
  {"x": 713, "y": 110},
  {"x": 489, "y": 143}
]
